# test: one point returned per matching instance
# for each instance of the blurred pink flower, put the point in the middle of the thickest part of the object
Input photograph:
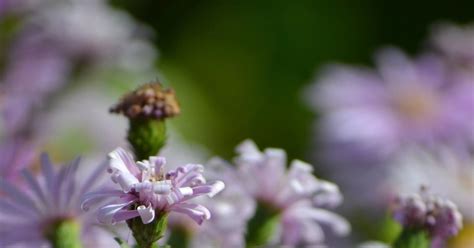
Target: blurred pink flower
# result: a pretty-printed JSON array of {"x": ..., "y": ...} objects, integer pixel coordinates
[{"x": 295, "y": 192}]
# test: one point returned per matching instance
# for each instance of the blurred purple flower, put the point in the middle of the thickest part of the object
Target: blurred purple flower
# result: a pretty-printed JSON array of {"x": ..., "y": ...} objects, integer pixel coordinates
[
  {"x": 403, "y": 102},
  {"x": 35, "y": 70},
  {"x": 230, "y": 209},
  {"x": 295, "y": 192},
  {"x": 46, "y": 200},
  {"x": 153, "y": 190},
  {"x": 369, "y": 116},
  {"x": 439, "y": 216},
  {"x": 54, "y": 38}
]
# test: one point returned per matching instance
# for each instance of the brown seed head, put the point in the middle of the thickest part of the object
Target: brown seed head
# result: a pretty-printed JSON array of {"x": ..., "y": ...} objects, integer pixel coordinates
[{"x": 150, "y": 101}]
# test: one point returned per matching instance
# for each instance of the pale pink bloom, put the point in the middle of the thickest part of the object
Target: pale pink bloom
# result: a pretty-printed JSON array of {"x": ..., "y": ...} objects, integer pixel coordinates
[
  {"x": 295, "y": 192},
  {"x": 152, "y": 189}
]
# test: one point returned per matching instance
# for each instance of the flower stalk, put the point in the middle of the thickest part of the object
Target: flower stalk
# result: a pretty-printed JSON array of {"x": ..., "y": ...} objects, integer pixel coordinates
[
  {"x": 262, "y": 226},
  {"x": 147, "y": 108},
  {"x": 146, "y": 136},
  {"x": 147, "y": 235},
  {"x": 64, "y": 234},
  {"x": 412, "y": 238}
]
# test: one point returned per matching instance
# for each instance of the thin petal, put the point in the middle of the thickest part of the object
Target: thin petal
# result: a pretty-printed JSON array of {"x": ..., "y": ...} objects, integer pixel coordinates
[
  {"x": 125, "y": 215},
  {"x": 94, "y": 176},
  {"x": 18, "y": 196},
  {"x": 92, "y": 197},
  {"x": 106, "y": 213},
  {"x": 338, "y": 224},
  {"x": 48, "y": 171},
  {"x": 196, "y": 212},
  {"x": 35, "y": 187}
]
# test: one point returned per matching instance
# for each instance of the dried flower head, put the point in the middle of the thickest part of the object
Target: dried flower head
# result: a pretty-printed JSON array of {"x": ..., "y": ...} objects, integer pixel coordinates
[
  {"x": 438, "y": 216},
  {"x": 149, "y": 101}
]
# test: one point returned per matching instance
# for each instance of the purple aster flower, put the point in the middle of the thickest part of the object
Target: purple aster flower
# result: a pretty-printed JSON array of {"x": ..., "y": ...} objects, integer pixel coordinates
[
  {"x": 295, "y": 192},
  {"x": 439, "y": 216},
  {"x": 152, "y": 190},
  {"x": 27, "y": 214}
]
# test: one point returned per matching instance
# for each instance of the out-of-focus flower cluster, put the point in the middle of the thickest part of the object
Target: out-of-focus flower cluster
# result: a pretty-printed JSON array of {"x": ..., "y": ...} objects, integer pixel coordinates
[
  {"x": 420, "y": 211},
  {"x": 439, "y": 216},
  {"x": 406, "y": 123}
]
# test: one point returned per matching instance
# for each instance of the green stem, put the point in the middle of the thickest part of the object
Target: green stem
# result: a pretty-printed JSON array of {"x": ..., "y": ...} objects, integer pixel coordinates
[
  {"x": 64, "y": 234},
  {"x": 147, "y": 235},
  {"x": 146, "y": 136},
  {"x": 262, "y": 226},
  {"x": 412, "y": 238}
]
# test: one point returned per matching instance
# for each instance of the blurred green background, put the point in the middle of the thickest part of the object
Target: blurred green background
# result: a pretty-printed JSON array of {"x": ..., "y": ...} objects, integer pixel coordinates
[{"x": 240, "y": 67}]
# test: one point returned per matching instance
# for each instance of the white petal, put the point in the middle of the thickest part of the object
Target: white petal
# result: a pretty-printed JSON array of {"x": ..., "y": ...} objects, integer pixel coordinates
[
  {"x": 143, "y": 165},
  {"x": 185, "y": 191},
  {"x": 147, "y": 214},
  {"x": 126, "y": 181},
  {"x": 162, "y": 187},
  {"x": 217, "y": 187}
]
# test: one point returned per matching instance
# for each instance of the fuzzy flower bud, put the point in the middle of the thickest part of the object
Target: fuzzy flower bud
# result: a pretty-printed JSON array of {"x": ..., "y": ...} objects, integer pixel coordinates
[{"x": 437, "y": 216}]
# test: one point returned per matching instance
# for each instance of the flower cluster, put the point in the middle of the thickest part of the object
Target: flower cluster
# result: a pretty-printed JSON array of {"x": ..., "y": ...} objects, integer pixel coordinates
[
  {"x": 147, "y": 190},
  {"x": 439, "y": 216}
]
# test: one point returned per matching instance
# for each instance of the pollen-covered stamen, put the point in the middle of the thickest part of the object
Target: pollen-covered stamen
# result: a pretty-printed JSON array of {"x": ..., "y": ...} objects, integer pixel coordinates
[{"x": 148, "y": 101}]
